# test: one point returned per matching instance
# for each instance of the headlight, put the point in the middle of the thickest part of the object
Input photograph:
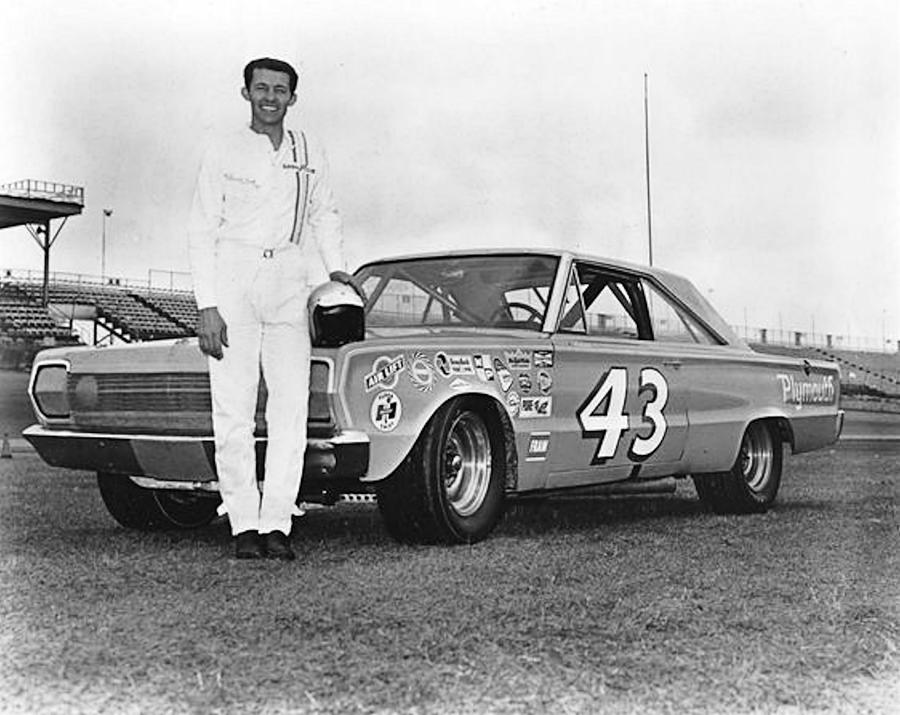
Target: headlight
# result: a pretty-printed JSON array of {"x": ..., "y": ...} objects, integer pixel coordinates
[
  {"x": 48, "y": 390},
  {"x": 319, "y": 404}
]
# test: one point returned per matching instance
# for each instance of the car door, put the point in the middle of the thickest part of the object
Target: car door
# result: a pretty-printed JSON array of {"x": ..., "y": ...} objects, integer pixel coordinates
[{"x": 620, "y": 400}]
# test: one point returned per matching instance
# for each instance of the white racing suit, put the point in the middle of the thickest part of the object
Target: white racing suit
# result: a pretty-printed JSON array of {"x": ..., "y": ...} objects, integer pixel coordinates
[{"x": 264, "y": 231}]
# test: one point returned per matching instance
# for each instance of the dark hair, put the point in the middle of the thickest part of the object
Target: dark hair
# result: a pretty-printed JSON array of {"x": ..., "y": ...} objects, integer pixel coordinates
[{"x": 267, "y": 63}]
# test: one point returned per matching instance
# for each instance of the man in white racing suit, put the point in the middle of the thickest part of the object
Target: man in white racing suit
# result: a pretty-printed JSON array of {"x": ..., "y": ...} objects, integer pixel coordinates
[{"x": 263, "y": 231}]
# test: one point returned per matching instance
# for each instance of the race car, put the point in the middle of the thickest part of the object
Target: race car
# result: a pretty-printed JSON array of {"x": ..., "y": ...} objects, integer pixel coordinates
[{"x": 479, "y": 377}]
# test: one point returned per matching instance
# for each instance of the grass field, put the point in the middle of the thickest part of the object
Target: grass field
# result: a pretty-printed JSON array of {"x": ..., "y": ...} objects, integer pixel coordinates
[{"x": 574, "y": 605}]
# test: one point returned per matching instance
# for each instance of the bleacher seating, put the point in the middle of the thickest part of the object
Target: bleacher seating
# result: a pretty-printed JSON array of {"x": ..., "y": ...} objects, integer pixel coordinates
[
  {"x": 23, "y": 317},
  {"x": 179, "y": 307},
  {"x": 126, "y": 312}
]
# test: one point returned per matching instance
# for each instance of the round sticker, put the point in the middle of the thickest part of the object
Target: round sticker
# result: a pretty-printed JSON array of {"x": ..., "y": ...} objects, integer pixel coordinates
[
  {"x": 512, "y": 402},
  {"x": 386, "y": 410},
  {"x": 421, "y": 374}
]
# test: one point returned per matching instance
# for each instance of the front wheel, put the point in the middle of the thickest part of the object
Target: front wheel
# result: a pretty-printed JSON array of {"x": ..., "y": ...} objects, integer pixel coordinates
[
  {"x": 450, "y": 488},
  {"x": 135, "y": 507},
  {"x": 751, "y": 484}
]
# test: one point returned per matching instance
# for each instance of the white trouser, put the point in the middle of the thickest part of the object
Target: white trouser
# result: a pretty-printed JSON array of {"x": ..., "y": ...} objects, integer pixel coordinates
[{"x": 263, "y": 302}]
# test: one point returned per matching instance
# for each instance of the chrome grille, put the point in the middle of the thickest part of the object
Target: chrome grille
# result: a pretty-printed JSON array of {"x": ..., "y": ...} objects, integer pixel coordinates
[
  {"x": 94, "y": 394},
  {"x": 139, "y": 392}
]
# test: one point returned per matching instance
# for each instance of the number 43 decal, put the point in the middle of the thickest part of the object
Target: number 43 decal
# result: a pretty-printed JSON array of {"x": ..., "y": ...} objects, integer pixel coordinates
[{"x": 603, "y": 413}]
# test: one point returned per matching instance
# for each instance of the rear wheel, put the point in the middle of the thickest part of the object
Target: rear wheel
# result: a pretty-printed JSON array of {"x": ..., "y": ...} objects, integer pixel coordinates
[
  {"x": 450, "y": 488},
  {"x": 135, "y": 507},
  {"x": 751, "y": 484}
]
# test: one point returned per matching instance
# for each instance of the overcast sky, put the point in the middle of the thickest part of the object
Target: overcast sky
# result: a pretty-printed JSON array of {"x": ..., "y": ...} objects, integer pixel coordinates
[{"x": 775, "y": 140}]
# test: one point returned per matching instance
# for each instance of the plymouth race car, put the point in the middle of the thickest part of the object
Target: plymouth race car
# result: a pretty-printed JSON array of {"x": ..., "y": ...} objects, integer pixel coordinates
[{"x": 481, "y": 376}]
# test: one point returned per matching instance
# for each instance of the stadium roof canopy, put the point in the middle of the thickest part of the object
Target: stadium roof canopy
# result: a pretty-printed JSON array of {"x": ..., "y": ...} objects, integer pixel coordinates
[
  {"x": 34, "y": 204},
  {"x": 38, "y": 202}
]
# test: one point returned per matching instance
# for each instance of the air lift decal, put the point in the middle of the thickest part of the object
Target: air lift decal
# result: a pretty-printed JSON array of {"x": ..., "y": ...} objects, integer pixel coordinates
[
  {"x": 385, "y": 372},
  {"x": 603, "y": 414}
]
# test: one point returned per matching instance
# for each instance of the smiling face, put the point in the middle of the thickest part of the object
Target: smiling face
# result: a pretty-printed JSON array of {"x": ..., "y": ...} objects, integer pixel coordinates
[{"x": 270, "y": 96}]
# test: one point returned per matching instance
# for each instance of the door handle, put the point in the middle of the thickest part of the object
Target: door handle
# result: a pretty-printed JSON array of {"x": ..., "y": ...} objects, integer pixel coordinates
[{"x": 672, "y": 363}]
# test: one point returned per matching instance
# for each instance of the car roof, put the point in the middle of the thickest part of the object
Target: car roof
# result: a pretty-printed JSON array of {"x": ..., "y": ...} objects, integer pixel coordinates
[{"x": 679, "y": 286}]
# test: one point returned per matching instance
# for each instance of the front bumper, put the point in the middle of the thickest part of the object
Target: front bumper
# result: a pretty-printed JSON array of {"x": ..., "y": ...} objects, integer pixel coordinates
[{"x": 341, "y": 459}]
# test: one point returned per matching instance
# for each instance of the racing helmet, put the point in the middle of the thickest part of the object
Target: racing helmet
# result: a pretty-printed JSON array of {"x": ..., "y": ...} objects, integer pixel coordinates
[{"x": 336, "y": 315}]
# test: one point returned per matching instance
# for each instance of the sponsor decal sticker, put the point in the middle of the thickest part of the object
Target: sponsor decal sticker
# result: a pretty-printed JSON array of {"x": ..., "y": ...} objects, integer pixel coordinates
[
  {"x": 460, "y": 384},
  {"x": 442, "y": 363},
  {"x": 449, "y": 365},
  {"x": 503, "y": 375},
  {"x": 483, "y": 368},
  {"x": 518, "y": 359},
  {"x": 385, "y": 372},
  {"x": 544, "y": 381},
  {"x": 543, "y": 358},
  {"x": 512, "y": 402},
  {"x": 534, "y": 407},
  {"x": 806, "y": 391},
  {"x": 538, "y": 446},
  {"x": 421, "y": 372},
  {"x": 524, "y": 383},
  {"x": 461, "y": 365},
  {"x": 386, "y": 411}
]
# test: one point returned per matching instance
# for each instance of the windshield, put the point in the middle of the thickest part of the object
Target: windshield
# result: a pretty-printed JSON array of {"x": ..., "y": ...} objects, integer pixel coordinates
[{"x": 507, "y": 291}]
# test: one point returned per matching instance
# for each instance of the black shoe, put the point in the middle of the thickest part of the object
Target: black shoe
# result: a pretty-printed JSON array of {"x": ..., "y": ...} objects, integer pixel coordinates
[
  {"x": 248, "y": 545},
  {"x": 278, "y": 546}
]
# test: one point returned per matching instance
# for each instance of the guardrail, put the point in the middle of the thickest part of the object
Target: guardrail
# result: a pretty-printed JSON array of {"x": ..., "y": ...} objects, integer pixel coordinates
[
  {"x": 157, "y": 279},
  {"x": 809, "y": 339},
  {"x": 50, "y": 190}
]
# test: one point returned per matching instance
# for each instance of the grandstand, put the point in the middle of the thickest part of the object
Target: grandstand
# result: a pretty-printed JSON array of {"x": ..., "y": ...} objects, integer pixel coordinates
[{"x": 114, "y": 312}]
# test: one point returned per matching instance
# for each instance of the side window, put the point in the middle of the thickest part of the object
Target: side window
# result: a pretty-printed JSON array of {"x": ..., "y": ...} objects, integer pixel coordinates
[
  {"x": 670, "y": 323},
  {"x": 401, "y": 303},
  {"x": 600, "y": 303},
  {"x": 573, "y": 309}
]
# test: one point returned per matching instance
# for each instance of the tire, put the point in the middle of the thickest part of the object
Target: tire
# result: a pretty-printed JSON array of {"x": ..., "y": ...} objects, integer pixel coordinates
[
  {"x": 752, "y": 483},
  {"x": 152, "y": 509},
  {"x": 450, "y": 488}
]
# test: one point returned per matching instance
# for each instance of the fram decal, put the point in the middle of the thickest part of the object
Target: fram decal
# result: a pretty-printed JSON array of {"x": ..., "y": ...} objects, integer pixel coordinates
[
  {"x": 503, "y": 375},
  {"x": 385, "y": 372},
  {"x": 806, "y": 392},
  {"x": 543, "y": 358},
  {"x": 534, "y": 407},
  {"x": 386, "y": 411},
  {"x": 421, "y": 372},
  {"x": 538, "y": 446},
  {"x": 518, "y": 359}
]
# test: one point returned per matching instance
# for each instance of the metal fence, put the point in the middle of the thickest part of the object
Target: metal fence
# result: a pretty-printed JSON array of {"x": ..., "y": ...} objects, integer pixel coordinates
[
  {"x": 49, "y": 190},
  {"x": 157, "y": 279},
  {"x": 808, "y": 339}
]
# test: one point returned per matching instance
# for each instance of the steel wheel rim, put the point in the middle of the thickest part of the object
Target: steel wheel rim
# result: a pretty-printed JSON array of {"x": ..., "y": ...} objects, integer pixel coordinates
[
  {"x": 757, "y": 457},
  {"x": 467, "y": 464}
]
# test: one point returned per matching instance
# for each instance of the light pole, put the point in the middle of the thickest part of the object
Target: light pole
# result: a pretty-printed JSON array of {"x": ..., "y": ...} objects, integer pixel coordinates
[{"x": 106, "y": 214}]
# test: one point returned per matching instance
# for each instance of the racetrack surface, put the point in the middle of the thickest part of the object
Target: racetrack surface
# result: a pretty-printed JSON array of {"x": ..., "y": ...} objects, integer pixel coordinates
[{"x": 639, "y": 605}]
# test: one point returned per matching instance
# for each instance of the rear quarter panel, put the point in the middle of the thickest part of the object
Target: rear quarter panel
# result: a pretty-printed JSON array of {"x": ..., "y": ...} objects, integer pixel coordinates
[{"x": 731, "y": 387}]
